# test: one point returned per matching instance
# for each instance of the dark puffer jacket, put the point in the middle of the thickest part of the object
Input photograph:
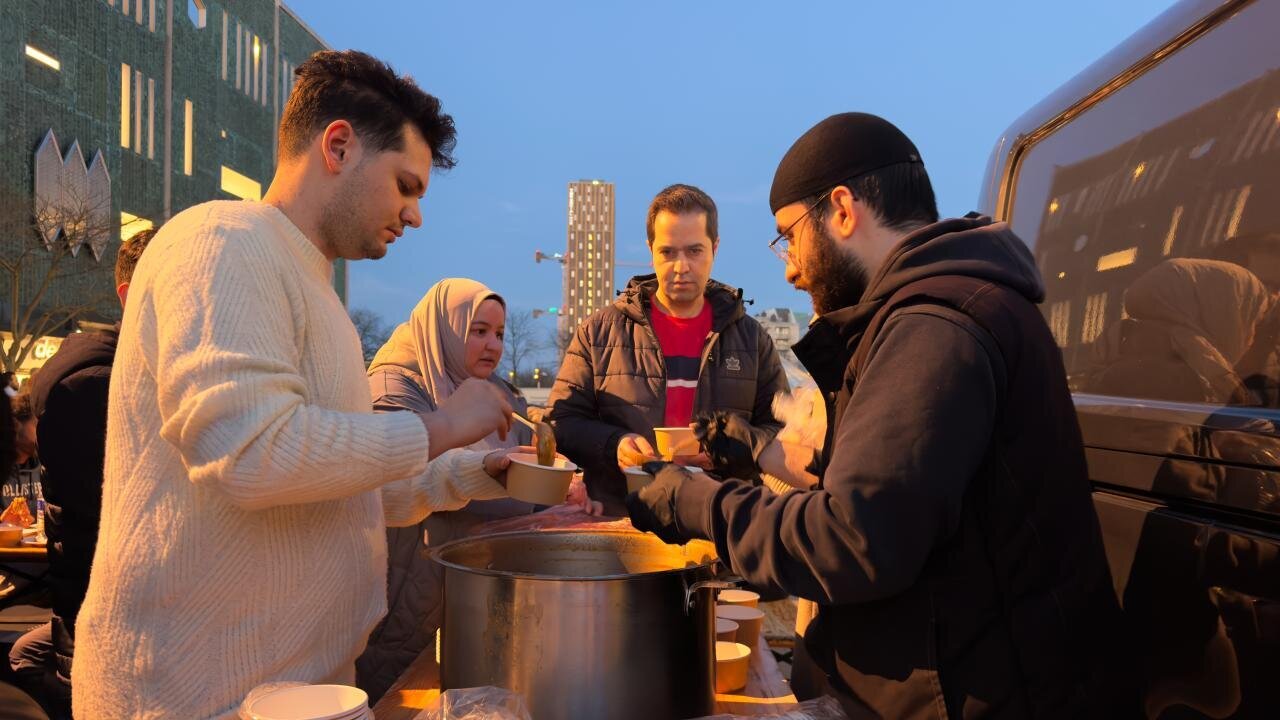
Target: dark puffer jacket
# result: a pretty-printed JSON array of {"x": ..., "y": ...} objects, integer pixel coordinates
[
  {"x": 69, "y": 396},
  {"x": 614, "y": 381}
]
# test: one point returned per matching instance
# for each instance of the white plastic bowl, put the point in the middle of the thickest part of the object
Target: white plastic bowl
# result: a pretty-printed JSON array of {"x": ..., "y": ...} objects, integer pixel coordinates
[{"x": 311, "y": 702}]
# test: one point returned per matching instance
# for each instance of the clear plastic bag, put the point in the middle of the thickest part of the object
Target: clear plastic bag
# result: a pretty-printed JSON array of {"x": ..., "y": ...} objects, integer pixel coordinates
[
  {"x": 819, "y": 708},
  {"x": 478, "y": 703}
]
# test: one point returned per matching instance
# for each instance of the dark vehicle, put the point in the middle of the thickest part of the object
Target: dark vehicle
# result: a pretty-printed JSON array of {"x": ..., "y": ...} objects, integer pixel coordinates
[{"x": 1148, "y": 188}]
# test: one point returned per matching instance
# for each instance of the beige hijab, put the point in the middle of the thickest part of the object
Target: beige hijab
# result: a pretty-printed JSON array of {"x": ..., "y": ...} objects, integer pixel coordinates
[
  {"x": 1210, "y": 309},
  {"x": 432, "y": 344}
]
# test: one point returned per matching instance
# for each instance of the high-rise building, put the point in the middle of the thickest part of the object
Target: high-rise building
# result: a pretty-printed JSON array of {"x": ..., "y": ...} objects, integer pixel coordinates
[
  {"x": 588, "y": 265},
  {"x": 140, "y": 114}
]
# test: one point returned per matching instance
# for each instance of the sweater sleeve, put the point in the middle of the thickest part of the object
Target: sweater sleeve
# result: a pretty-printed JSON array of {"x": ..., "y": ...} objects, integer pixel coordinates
[
  {"x": 227, "y": 317},
  {"x": 917, "y": 430},
  {"x": 453, "y": 479}
]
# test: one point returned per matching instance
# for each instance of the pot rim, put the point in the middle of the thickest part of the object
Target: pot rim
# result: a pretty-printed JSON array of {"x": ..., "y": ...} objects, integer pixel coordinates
[{"x": 436, "y": 553}]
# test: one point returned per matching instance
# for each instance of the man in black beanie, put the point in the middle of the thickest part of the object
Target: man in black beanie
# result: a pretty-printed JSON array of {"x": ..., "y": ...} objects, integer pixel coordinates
[{"x": 951, "y": 545}]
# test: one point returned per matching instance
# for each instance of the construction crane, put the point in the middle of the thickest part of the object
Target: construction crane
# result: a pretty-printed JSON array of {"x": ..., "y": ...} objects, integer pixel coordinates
[{"x": 539, "y": 256}]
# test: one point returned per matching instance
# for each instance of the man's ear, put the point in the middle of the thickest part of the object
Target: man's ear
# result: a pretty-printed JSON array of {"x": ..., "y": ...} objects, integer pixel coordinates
[
  {"x": 338, "y": 146},
  {"x": 847, "y": 212},
  {"x": 715, "y": 246}
]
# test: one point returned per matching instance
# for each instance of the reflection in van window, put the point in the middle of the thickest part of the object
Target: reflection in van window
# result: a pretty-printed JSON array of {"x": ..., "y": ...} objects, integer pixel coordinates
[{"x": 1155, "y": 219}]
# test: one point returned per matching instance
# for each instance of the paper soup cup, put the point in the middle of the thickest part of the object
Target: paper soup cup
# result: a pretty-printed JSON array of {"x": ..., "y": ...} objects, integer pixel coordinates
[
  {"x": 746, "y": 598},
  {"x": 539, "y": 484},
  {"x": 732, "y": 659},
  {"x": 726, "y": 630},
  {"x": 750, "y": 621},
  {"x": 674, "y": 441},
  {"x": 638, "y": 478}
]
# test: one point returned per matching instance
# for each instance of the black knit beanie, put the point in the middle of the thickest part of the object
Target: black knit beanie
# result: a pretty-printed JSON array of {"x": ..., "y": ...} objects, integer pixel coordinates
[{"x": 839, "y": 148}]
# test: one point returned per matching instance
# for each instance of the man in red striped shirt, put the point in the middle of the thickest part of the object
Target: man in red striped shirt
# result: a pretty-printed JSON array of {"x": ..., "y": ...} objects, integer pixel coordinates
[{"x": 673, "y": 344}]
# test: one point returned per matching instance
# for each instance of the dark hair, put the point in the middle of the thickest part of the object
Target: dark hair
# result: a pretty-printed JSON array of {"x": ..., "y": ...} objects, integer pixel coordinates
[
  {"x": 680, "y": 199},
  {"x": 130, "y": 252},
  {"x": 900, "y": 195},
  {"x": 21, "y": 406},
  {"x": 356, "y": 87}
]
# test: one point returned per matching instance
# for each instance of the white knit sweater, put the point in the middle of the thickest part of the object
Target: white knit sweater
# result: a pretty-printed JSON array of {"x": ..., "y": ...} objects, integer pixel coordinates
[{"x": 247, "y": 482}]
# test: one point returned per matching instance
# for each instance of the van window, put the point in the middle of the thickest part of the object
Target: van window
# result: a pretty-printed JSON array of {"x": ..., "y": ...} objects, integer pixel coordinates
[{"x": 1154, "y": 217}]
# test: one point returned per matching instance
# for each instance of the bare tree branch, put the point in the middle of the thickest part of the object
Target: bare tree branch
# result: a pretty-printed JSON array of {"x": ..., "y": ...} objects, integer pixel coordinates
[
  {"x": 520, "y": 343},
  {"x": 53, "y": 259},
  {"x": 373, "y": 332}
]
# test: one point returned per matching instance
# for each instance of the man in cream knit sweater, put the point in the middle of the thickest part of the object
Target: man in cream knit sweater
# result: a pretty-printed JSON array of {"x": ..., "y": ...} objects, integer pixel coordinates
[{"x": 247, "y": 483}]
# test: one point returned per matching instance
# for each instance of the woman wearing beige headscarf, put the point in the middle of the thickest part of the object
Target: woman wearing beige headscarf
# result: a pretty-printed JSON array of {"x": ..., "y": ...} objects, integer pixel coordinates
[
  {"x": 1190, "y": 321},
  {"x": 454, "y": 334}
]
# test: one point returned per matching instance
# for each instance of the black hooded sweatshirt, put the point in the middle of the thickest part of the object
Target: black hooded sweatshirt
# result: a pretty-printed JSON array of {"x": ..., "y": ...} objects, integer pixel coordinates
[
  {"x": 952, "y": 545},
  {"x": 69, "y": 396}
]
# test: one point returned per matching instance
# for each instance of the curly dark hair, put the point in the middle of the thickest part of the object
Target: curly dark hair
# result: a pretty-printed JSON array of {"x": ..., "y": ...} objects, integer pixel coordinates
[
  {"x": 130, "y": 253},
  {"x": 361, "y": 89}
]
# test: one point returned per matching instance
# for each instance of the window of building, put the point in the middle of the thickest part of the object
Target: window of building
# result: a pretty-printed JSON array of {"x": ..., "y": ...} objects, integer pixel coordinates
[
  {"x": 224, "y": 44},
  {"x": 131, "y": 225},
  {"x": 241, "y": 186},
  {"x": 137, "y": 111},
  {"x": 151, "y": 119},
  {"x": 255, "y": 80},
  {"x": 239, "y": 53},
  {"x": 126, "y": 103},
  {"x": 197, "y": 13},
  {"x": 188, "y": 137},
  {"x": 43, "y": 58}
]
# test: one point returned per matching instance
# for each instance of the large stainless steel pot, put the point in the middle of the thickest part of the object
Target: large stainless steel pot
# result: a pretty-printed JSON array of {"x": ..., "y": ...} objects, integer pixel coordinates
[{"x": 583, "y": 624}]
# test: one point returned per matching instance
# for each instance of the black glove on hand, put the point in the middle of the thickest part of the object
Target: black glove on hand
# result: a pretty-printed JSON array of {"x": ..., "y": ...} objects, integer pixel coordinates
[
  {"x": 653, "y": 507},
  {"x": 727, "y": 440}
]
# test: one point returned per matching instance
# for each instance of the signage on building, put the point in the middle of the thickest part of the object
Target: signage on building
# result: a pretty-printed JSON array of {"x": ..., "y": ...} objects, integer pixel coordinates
[
  {"x": 72, "y": 201},
  {"x": 44, "y": 349}
]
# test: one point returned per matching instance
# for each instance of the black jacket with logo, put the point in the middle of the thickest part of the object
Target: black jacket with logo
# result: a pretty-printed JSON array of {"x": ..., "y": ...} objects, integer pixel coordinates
[
  {"x": 613, "y": 381},
  {"x": 952, "y": 545}
]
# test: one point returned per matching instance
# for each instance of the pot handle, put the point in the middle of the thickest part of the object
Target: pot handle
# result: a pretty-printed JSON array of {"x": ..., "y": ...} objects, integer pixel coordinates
[{"x": 727, "y": 582}]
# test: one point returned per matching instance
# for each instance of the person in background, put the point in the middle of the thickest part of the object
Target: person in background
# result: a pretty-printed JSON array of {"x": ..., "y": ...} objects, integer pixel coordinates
[
  {"x": 17, "y": 705},
  {"x": 69, "y": 398},
  {"x": 454, "y": 333},
  {"x": 24, "y": 476},
  {"x": 951, "y": 545},
  {"x": 25, "y": 447},
  {"x": 673, "y": 343},
  {"x": 248, "y": 484}
]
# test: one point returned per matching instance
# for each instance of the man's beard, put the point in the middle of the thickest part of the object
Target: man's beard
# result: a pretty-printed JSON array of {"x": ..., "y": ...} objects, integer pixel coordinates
[
  {"x": 835, "y": 280},
  {"x": 344, "y": 227}
]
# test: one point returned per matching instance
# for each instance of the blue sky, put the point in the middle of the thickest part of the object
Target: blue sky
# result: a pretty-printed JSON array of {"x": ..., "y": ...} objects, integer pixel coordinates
[{"x": 710, "y": 92}]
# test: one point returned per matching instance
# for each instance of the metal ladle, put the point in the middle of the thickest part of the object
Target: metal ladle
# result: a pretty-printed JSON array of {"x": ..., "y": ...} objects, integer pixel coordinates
[{"x": 544, "y": 439}]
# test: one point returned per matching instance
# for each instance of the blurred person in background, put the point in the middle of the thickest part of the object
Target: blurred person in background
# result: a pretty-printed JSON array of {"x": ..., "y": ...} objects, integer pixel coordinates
[{"x": 69, "y": 398}]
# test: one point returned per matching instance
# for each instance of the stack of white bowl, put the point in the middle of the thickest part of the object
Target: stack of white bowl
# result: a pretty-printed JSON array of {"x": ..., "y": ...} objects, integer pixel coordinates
[{"x": 312, "y": 702}]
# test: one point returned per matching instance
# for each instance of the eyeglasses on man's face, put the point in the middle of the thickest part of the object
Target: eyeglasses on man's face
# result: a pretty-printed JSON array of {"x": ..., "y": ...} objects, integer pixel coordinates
[{"x": 781, "y": 245}]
